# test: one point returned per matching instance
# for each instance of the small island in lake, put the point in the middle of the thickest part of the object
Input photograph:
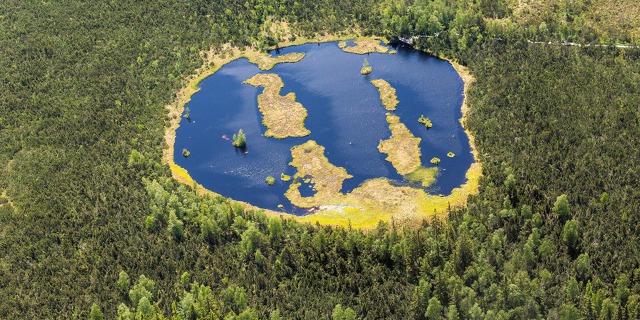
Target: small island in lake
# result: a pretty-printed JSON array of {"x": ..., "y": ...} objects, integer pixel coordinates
[
  {"x": 314, "y": 167},
  {"x": 426, "y": 121},
  {"x": 387, "y": 94},
  {"x": 282, "y": 115},
  {"x": 265, "y": 61},
  {"x": 403, "y": 148},
  {"x": 366, "y": 68},
  {"x": 364, "y": 46}
]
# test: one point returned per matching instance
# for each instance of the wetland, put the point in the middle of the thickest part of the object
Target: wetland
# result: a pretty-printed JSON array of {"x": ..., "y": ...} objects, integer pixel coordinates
[{"x": 347, "y": 140}]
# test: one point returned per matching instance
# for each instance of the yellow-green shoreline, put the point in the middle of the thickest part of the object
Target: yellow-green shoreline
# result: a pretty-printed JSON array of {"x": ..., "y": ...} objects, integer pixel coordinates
[
  {"x": 403, "y": 148},
  {"x": 375, "y": 200}
]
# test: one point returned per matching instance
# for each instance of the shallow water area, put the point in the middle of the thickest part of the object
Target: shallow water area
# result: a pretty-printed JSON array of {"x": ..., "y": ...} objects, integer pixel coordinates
[{"x": 345, "y": 115}]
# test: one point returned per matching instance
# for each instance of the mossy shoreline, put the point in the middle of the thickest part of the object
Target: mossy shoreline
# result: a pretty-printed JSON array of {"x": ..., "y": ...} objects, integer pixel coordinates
[{"x": 375, "y": 200}]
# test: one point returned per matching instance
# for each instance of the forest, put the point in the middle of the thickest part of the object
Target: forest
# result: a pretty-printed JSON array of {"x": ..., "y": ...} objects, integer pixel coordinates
[{"x": 93, "y": 226}]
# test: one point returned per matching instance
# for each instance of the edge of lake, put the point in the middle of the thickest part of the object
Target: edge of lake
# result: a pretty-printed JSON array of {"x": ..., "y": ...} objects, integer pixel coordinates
[{"x": 357, "y": 210}]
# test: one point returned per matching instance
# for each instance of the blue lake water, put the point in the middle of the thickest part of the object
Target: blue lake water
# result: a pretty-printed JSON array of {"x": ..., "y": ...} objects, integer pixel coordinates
[{"x": 345, "y": 115}]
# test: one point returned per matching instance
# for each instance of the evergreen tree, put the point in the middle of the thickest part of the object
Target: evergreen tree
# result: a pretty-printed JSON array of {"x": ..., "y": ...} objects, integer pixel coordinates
[{"x": 239, "y": 139}]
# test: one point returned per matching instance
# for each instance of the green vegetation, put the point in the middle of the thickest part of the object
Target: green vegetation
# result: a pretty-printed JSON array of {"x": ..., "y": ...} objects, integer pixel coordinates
[
  {"x": 387, "y": 94},
  {"x": 270, "y": 180},
  {"x": 107, "y": 231},
  {"x": 425, "y": 176},
  {"x": 284, "y": 177},
  {"x": 435, "y": 161},
  {"x": 451, "y": 154},
  {"x": 366, "y": 68},
  {"x": 185, "y": 153},
  {"x": 239, "y": 139},
  {"x": 426, "y": 121}
]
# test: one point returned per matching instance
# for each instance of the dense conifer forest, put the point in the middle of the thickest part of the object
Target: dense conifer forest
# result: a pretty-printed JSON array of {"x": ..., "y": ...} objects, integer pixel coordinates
[{"x": 93, "y": 226}]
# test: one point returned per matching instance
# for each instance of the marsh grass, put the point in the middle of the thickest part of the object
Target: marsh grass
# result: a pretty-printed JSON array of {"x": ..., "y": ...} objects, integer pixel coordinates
[
  {"x": 364, "y": 46},
  {"x": 282, "y": 115},
  {"x": 425, "y": 176},
  {"x": 387, "y": 94}
]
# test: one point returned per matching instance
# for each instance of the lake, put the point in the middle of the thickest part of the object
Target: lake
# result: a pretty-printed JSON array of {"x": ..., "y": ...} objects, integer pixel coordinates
[{"x": 345, "y": 115}]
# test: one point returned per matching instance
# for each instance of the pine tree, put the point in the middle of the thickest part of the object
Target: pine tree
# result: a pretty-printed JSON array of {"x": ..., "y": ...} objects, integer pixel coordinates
[{"x": 239, "y": 139}]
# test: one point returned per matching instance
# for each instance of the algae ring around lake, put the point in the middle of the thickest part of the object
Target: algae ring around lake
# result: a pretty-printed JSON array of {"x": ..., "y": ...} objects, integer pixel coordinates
[{"x": 346, "y": 154}]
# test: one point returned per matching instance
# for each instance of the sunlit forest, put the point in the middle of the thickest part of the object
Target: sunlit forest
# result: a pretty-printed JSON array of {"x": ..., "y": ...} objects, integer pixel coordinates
[{"x": 92, "y": 225}]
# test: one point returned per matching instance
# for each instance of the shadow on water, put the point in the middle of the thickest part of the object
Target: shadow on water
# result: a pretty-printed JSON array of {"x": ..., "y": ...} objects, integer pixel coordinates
[{"x": 345, "y": 116}]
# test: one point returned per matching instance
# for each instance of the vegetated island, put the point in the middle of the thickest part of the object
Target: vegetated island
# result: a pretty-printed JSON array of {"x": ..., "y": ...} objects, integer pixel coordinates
[
  {"x": 403, "y": 148},
  {"x": 426, "y": 121},
  {"x": 387, "y": 94},
  {"x": 282, "y": 115},
  {"x": 267, "y": 62},
  {"x": 364, "y": 46},
  {"x": 310, "y": 161},
  {"x": 366, "y": 68}
]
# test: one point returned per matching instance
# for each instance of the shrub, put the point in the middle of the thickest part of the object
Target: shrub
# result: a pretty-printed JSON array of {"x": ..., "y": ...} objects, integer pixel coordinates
[
  {"x": 239, "y": 139},
  {"x": 366, "y": 68},
  {"x": 270, "y": 180},
  {"x": 426, "y": 121}
]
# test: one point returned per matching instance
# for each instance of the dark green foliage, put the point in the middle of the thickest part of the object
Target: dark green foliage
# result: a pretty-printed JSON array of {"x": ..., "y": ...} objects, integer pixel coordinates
[
  {"x": 96, "y": 313},
  {"x": 84, "y": 196},
  {"x": 569, "y": 312},
  {"x": 561, "y": 208},
  {"x": 239, "y": 139},
  {"x": 145, "y": 309},
  {"x": 427, "y": 122},
  {"x": 270, "y": 180},
  {"x": 633, "y": 306},
  {"x": 123, "y": 282},
  {"x": 570, "y": 234},
  {"x": 144, "y": 288},
  {"x": 434, "y": 309}
]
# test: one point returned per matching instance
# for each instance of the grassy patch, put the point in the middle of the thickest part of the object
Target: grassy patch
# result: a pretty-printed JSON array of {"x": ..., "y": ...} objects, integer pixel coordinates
[
  {"x": 282, "y": 115},
  {"x": 312, "y": 164},
  {"x": 364, "y": 46},
  {"x": 403, "y": 148},
  {"x": 270, "y": 180},
  {"x": 267, "y": 62},
  {"x": 424, "y": 176},
  {"x": 387, "y": 94}
]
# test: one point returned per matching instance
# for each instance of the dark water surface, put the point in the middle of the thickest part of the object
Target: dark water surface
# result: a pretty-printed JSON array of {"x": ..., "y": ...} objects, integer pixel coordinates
[{"x": 345, "y": 116}]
